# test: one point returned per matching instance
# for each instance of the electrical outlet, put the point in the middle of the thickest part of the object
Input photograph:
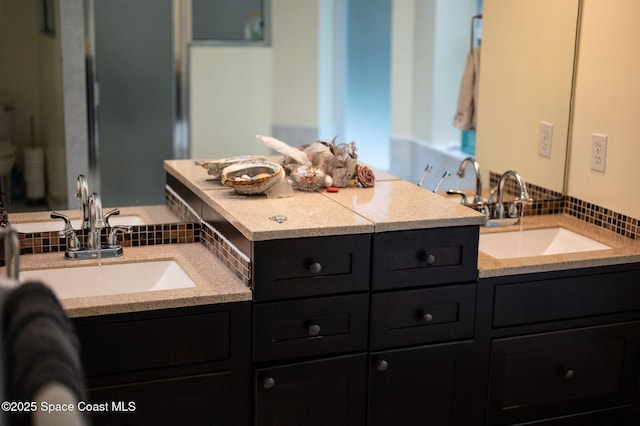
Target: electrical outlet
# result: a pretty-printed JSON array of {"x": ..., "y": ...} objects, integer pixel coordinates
[
  {"x": 545, "y": 138},
  {"x": 598, "y": 152}
]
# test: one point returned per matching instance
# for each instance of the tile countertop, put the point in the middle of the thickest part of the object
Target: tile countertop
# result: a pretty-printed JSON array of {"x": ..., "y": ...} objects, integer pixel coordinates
[
  {"x": 623, "y": 249},
  {"x": 214, "y": 282}
]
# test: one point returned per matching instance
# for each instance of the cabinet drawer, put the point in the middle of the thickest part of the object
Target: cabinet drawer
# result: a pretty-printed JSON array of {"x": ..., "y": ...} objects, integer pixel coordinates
[
  {"x": 424, "y": 257},
  {"x": 154, "y": 344},
  {"x": 565, "y": 372},
  {"x": 310, "y": 327},
  {"x": 317, "y": 393},
  {"x": 310, "y": 266},
  {"x": 533, "y": 302},
  {"x": 194, "y": 400},
  {"x": 422, "y": 316}
]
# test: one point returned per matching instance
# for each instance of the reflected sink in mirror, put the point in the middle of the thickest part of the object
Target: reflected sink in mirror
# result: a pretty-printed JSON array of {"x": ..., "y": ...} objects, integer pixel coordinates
[
  {"x": 121, "y": 278},
  {"x": 53, "y": 225},
  {"x": 536, "y": 242}
]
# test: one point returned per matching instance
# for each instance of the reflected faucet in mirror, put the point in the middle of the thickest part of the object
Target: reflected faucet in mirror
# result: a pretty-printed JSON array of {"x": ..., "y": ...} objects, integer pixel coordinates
[{"x": 478, "y": 201}]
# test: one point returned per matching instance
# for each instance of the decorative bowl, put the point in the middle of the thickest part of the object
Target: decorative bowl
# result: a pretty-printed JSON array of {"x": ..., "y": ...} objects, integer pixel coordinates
[
  {"x": 215, "y": 167},
  {"x": 252, "y": 178},
  {"x": 307, "y": 178}
]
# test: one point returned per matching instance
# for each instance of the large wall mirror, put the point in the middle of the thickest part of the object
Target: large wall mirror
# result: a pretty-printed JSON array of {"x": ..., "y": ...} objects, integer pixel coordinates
[
  {"x": 526, "y": 78},
  {"x": 66, "y": 145}
]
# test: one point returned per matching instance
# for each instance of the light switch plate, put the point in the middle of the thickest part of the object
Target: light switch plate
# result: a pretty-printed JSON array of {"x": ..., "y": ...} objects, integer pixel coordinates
[
  {"x": 598, "y": 152},
  {"x": 545, "y": 138}
]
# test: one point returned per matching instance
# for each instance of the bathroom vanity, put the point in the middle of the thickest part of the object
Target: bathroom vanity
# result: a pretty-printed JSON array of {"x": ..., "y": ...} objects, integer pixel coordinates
[
  {"x": 558, "y": 337},
  {"x": 364, "y": 307},
  {"x": 352, "y": 292},
  {"x": 400, "y": 320}
]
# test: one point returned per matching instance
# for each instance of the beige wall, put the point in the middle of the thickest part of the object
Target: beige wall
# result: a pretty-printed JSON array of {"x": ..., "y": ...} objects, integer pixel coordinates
[
  {"x": 230, "y": 100},
  {"x": 525, "y": 77},
  {"x": 19, "y": 73},
  {"x": 607, "y": 97},
  {"x": 295, "y": 62},
  {"x": 238, "y": 92}
]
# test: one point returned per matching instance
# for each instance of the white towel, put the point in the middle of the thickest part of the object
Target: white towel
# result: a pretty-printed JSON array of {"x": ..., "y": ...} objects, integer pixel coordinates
[{"x": 465, "y": 118}]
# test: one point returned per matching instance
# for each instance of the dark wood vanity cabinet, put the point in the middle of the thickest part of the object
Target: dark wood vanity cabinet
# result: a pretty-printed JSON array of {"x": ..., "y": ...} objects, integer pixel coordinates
[
  {"x": 421, "y": 385},
  {"x": 175, "y": 366},
  {"x": 310, "y": 267},
  {"x": 318, "y": 392},
  {"x": 424, "y": 257},
  {"x": 422, "y": 326},
  {"x": 564, "y": 347},
  {"x": 310, "y": 330},
  {"x": 327, "y": 351}
]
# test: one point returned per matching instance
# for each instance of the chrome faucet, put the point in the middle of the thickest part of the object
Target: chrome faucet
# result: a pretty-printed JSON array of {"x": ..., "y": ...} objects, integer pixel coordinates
[
  {"x": 477, "y": 199},
  {"x": 82, "y": 194},
  {"x": 523, "y": 198},
  {"x": 96, "y": 222},
  {"x": 93, "y": 222}
]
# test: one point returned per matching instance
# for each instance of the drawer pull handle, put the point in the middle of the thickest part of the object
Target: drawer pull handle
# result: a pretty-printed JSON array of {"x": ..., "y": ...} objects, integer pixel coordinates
[
  {"x": 315, "y": 268},
  {"x": 428, "y": 258},
  {"x": 313, "y": 330},
  {"x": 427, "y": 318},
  {"x": 268, "y": 382},
  {"x": 568, "y": 374},
  {"x": 382, "y": 365}
]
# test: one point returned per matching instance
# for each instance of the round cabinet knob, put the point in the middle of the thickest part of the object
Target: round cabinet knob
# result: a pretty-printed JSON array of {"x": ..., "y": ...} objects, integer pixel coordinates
[
  {"x": 382, "y": 365},
  {"x": 427, "y": 318},
  {"x": 569, "y": 374},
  {"x": 313, "y": 330},
  {"x": 315, "y": 268},
  {"x": 268, "y": 382},
  {"x": 427, "y": 258}
]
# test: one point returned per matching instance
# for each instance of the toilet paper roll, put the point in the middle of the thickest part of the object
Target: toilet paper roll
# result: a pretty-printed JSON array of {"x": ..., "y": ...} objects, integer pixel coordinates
[{"x": 34, "y": 173}]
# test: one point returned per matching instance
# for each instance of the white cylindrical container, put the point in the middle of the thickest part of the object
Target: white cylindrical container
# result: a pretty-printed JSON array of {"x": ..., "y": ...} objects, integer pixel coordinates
[{"x": 34, "y": 173}]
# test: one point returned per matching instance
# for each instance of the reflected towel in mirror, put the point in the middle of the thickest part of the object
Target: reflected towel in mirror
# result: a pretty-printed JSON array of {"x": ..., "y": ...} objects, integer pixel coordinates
[{"x": 465, "y": 118}]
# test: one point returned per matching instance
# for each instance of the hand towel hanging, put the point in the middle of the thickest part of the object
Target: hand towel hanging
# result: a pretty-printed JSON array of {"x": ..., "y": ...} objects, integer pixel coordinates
[{"x": 465, "y": 118}]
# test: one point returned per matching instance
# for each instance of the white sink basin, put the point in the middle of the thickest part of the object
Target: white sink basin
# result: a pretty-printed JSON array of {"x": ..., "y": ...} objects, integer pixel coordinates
[
  {"x": 86, "y": 281},
  {"x": 536, "y": 242},
  {"x": 58, "y": 225}
]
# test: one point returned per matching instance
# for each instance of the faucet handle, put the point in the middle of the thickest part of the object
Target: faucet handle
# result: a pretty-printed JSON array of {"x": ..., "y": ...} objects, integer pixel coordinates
[
  {"x": 107, "y": 215},
  {"x": 72, "y": 239},
  {"x": 67, "y": 221},
  {"x": 113, "y": 234},
  {"x": 463, "y": 196}
]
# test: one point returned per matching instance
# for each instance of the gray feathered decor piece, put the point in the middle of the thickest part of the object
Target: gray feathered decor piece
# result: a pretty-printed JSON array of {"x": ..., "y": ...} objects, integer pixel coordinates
[{"x": 321, "y": 164}]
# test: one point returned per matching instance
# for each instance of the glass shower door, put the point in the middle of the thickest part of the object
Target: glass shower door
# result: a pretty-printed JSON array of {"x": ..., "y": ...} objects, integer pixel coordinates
[{"x": 134, "y": 71}]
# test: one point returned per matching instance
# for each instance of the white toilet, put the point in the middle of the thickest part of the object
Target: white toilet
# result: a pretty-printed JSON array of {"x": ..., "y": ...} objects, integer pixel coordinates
[{"x": 7, "y": 149}]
